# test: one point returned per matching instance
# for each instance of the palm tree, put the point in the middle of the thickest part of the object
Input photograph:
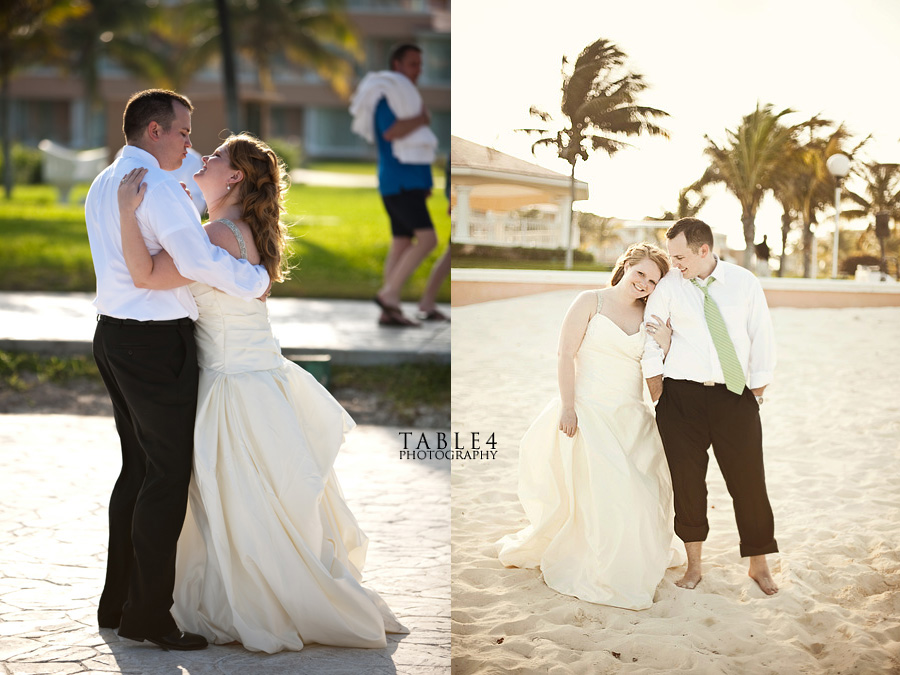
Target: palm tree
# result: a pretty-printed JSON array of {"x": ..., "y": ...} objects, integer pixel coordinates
[
  {"x": 882, "y": 193},
  {"x": 313, "y": 34},
  {"x": 786, "y": 190},
  {"x": 745, "y": 163},
  {"x": 229, "y": 72},
  {"x": 882, "y": 198},
  {"x": 814, "y": 183},
  {"x": 99, "y": 32},
  {"x": 173, "y": 44},
  {"x": 597, "y": 230},
  {"x": 27, "y": 37},
  {"x": 686, "y": 207},
  {"x": 599, "y": 103}
]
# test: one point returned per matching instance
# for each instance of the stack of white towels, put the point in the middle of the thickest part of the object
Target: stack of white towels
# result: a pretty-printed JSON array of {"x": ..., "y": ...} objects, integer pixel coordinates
[{"x": 405, "y": 101}]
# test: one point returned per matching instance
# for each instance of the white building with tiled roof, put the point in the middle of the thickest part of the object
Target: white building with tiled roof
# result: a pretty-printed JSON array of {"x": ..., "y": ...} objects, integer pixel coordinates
[{"x": 501, "y": 200}]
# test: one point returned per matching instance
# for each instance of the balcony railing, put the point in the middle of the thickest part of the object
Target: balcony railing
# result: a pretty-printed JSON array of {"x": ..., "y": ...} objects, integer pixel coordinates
[{"x": 512, "y": 230}]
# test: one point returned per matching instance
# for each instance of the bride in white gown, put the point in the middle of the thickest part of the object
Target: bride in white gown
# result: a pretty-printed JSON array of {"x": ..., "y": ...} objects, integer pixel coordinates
[
  {"x": 270, "y": 555},
  {"x": 593, "y": 478}
]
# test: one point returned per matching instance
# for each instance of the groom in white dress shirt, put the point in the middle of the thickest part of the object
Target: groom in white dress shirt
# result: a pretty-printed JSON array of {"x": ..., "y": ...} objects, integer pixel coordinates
[
  {"x": 709, "y": 387},
  {"x": 144, "y": 348}
]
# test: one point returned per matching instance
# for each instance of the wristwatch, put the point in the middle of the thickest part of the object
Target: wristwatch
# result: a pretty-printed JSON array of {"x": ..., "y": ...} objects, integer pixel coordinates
[{"x": 759, "y": 400}]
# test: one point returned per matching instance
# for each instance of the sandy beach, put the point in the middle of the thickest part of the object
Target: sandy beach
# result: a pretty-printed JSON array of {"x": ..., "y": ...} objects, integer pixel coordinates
[{"x": 831, "y": 425}]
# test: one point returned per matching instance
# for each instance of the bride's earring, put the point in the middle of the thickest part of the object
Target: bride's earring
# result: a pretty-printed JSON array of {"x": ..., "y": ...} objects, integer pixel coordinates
[{"x": 228, "y": 186}]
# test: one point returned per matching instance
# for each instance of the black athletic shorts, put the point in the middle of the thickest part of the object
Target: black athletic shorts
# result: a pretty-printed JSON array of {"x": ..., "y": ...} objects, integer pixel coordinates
[{"x": 408, "y": 212}]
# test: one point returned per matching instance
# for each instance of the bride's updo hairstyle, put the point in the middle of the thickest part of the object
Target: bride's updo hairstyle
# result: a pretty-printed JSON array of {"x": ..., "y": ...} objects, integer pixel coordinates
[
  {"x": 635, "y": 254},
  {"x": 261, "y": 194}
]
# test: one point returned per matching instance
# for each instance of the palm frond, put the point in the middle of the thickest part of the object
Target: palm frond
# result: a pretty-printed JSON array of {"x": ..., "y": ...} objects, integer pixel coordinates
[
  {"x": 533, "y": 131},
  {"x": 534, "y": 111},
  {"x": 599, "y": 102}
]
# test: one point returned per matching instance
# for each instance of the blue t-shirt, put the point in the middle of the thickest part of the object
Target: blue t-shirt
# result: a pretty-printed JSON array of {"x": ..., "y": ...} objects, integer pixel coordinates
[{"x": 394, "y": 177}]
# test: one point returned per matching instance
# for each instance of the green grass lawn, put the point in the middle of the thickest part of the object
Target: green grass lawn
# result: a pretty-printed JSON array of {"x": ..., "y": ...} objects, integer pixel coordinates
[
  {"x": 360, "y": 168},
  {"x": 341, "y": 237},
  {"x": 47, "y": 368}
]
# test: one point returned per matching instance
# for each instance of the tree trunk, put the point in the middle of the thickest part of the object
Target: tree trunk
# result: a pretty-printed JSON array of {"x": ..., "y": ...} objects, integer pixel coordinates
[
  {"x": 265, "y": 120},
  {"x": 91, "y": 94},
  {"x": 5, "y": 105},
  {"x": 229, "y": 75},
  {"x": 267, "y": 85},
  {"x": 808, "y": 242},
  {"x": 569, "y": 254},
  {"x": 748, "y": 221}
]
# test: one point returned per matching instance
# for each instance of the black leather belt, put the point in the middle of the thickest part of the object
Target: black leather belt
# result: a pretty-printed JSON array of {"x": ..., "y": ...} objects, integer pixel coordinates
[
  {"x": 184, "y": 321},
  {"x": 708, "y": 383}
]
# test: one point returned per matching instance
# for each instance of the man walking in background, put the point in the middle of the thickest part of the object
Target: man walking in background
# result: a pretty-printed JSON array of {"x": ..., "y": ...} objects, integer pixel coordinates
[{"x": 387, "y": 109}]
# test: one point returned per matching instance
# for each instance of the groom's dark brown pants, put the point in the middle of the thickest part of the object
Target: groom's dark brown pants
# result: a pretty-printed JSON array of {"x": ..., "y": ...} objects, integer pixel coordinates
[
  {"x": 150, "y": 370},
  {"x": 691, "y": 417}
]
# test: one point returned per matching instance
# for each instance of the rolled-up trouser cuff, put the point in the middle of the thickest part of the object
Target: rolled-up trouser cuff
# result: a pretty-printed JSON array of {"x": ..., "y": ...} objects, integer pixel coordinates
[
  {"x": 747, "y": 550},
  {"x": 689, "y": 533}
]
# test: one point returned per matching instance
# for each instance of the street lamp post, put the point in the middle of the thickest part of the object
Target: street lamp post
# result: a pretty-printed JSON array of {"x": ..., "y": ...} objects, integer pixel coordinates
[{"x": 838, "y": 166}]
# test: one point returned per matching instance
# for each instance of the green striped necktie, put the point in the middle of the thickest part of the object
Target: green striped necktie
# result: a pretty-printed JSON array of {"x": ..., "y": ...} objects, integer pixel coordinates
[{"x": 731, "y": 366}]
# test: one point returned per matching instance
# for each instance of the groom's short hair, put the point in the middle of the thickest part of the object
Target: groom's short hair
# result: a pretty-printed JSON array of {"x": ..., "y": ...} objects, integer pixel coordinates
[
  {"x": 696, "y": 233},
  {"x": 150, "y": 105}
]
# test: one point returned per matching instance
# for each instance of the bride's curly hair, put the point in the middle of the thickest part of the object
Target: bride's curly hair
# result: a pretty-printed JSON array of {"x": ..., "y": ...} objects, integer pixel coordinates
[
  {"x": 635, "y": 254},
  {"x": 261, "y": 195}
]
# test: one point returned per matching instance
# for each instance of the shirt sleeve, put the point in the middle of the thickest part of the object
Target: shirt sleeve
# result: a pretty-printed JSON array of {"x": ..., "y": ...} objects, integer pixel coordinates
[
  {"x": 652, "y": 361},
  {"x": 173, "y": 218},
  {"x": 762, "y": 340},
  {"x": 384, "y": 117}
]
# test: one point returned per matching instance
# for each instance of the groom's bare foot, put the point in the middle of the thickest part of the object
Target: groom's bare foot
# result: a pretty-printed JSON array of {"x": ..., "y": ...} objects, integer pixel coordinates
[
  {"x": 759, "y": 572},
  {"x": 690, "y": 579}
]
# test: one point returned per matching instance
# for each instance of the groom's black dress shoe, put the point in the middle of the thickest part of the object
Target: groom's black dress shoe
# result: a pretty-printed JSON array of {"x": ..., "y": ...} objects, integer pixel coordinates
[
  {"x": 177, "y": 639},
  {"x": 108, "y": 621}
]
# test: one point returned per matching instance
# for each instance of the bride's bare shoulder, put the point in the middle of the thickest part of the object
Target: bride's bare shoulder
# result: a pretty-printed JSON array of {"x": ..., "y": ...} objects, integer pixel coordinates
[
  {"x": 592, "y": 298},
  {"x": 585, "y": 304},
  {"x": 221, "y": 235}
]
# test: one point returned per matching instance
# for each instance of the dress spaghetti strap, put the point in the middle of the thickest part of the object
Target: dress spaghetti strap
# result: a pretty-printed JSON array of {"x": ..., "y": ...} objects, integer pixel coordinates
[{"x": 237, "y": 235}]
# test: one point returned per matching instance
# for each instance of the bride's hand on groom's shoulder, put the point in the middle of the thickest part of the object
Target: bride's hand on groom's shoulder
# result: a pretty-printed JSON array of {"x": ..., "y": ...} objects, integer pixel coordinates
[
  {"x": 568, "y": 422},
  {"x": 131, "y": 190}
]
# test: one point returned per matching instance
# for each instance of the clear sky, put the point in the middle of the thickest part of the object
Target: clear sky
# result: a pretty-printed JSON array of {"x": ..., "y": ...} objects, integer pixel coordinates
[{"x": 708, "y": 62}]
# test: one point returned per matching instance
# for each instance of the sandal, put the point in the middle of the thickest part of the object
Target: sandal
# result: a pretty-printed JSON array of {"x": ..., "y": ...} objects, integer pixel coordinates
[
  {"x": 433, "y": 315},
  {"x": 397, "y": 320},
  {"x": 386, "y": 308}
]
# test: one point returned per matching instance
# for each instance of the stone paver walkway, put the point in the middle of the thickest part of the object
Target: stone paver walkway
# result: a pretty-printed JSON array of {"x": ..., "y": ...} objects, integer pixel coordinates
[
  {"x": 347, "y": 330},
  {"x": 56, "y": 473}
]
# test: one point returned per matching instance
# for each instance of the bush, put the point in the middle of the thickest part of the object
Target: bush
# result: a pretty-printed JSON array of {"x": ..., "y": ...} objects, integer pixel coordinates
[
  {"x": 517, "y": 253},
  {"x": 848, "y": 265},
  {"x": 26, "y": 165},
  {"x": 289, "y": 150}
]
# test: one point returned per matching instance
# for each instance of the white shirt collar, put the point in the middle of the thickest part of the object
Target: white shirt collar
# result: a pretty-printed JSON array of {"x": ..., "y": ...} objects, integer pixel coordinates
[
  {"x": 718, "y": 272},
  {"x": 140, "y": 154}
]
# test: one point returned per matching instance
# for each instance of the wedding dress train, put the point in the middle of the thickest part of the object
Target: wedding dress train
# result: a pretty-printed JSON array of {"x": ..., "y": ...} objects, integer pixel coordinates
[{"x": 270, "y": 554}]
